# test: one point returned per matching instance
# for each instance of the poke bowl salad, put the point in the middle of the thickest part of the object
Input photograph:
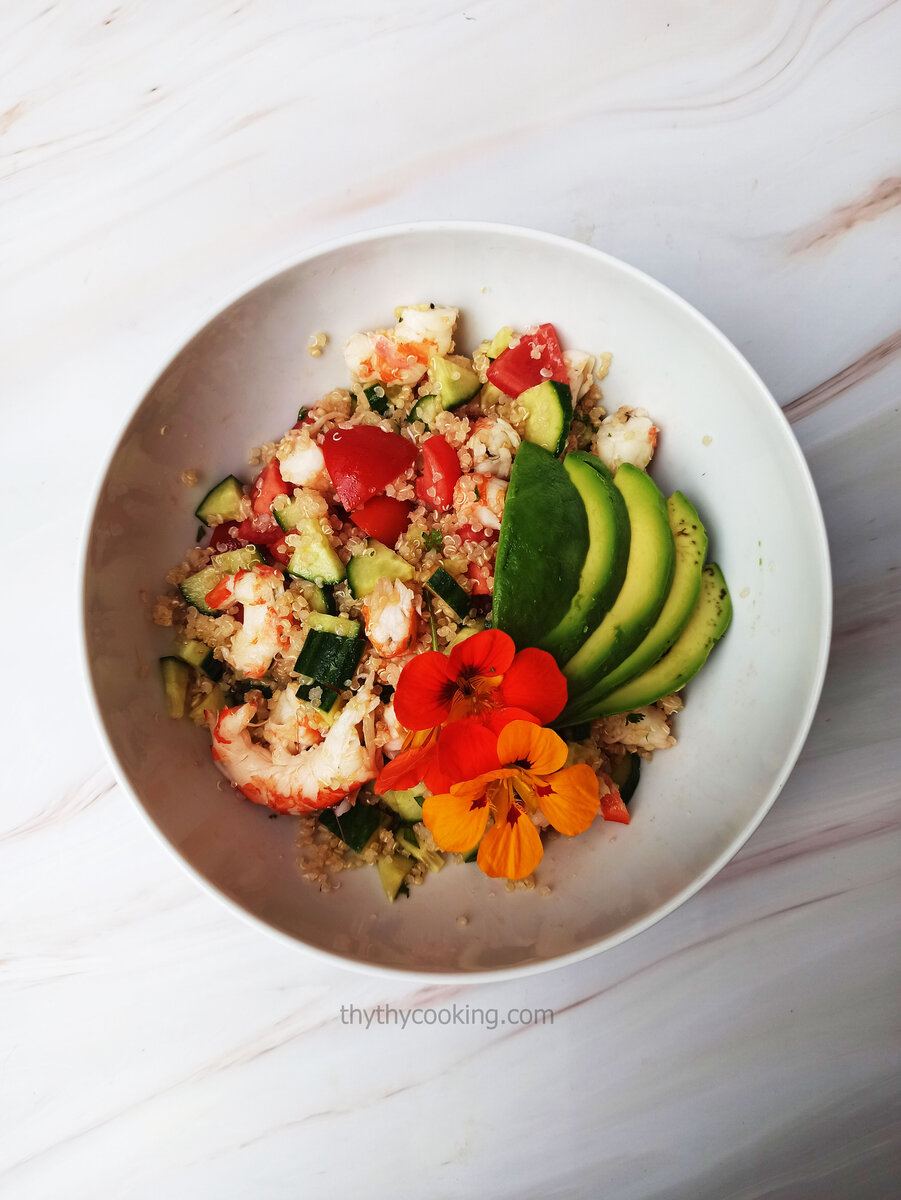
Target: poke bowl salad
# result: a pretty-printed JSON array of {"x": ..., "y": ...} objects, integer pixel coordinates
[{"x": 446, "y": 616}]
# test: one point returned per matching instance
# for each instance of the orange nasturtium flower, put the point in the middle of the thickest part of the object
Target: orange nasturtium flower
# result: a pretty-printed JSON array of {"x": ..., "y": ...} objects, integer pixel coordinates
[
  {"x": 515, "y": 774},
  {"x": 482, "y": 678}
]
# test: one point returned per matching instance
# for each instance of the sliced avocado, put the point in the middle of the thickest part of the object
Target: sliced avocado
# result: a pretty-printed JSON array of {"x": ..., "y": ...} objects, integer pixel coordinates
[
  {"x": 648, "y": 576},
  {"x": 690, "y": 541},
  {"x": 542, "y": 547},
  {"x": 705, "y": 627},
  {"x": 605, "y": 564}
]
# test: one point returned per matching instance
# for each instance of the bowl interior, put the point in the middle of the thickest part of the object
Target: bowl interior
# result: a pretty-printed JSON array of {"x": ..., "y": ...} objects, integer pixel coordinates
[{"x": 724, "y": 443}]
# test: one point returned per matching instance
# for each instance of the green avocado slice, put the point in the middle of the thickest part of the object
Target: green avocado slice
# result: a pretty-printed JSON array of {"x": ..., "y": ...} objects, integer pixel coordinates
[
  {"x": 542, "y": 547},
  {"x": 648, "y": 576},
  {"x": 690, "y": 541},
  {"x": 605, "y": 564},
  {"x": 705, "y": 627}
]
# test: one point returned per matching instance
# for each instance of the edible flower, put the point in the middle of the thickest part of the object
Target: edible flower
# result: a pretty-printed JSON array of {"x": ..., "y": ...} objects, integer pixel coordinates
[
  {"x": 508, "y": 777},
  {"x": 483, "y": 678}
]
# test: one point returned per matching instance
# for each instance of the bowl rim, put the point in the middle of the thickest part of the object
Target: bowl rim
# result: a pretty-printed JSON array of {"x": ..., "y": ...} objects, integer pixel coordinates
[{"x": 288, "y": 261}]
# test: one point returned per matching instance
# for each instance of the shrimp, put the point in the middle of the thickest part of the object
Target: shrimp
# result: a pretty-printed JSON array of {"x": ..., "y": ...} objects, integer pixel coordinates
[
  {"x": 292, "y": 725},
  {"x": 402, "y": 355},
  {"x": 493, "y": 442},
  {"x": 301, "y": 461},
  {"x": 391, "y": 614},
  {"x": 626, "y": 436},
  {"x": 479, "y": 500},
  {"x": 580, "y": 369},
  {"x": 315, "y": 778},
  {"x": 264, "y": 630},
  {"x": 644, "y": 729},
  {"x": 388, "y": 724}
]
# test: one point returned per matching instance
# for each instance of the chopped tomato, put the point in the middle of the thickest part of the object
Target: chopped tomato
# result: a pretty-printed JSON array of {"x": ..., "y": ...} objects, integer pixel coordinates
[
  {"x": 469, "y": 533},
  {"x": 259, "y": 530},
  {"x": 383, "y": 518},
  {"x": 280, "y": 551},
  {"x": 612, "y": 807},
  {"x": 440, "y": 471},
  {"x": 535, "y": 358},
  {"x": 480, "y": 574},
  {"x": 362, "y": 460},
  {"x": 222, "y": 538},
  {"x": 306, "y": 419},
  {"x": 267, "y": 485}
]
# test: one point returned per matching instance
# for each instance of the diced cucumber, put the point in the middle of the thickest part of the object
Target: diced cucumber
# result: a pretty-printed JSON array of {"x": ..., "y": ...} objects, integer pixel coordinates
[
  {"x": 472, "y": 855},
  {"x": 209, "y": 705},
  {"x": 176, "y": 678},
  {"x": 242, "y": 686},
  {"x": 410, "y": 844},
  {"x": 392, "y": 873},
  {"x": 373, "y": 563},
  {"x": 453, "y": 383},
  {"x": 327, "y": 623},
  {"x": 500, "y": 342},
  {"x": 328, "y": 657},
  {"x": 625, "y": 773},
  {"x": 550, "y": 409},
  {"x": 196, "y": 588},
  {"x": 328, "y": 697},
  {"x": 224, "y": 502},
  {"x": 314, "y": 558},
  {"x": 446, "y": 588},
  {"x": 291, "y": 515},
  {"x": 378, "y": 399},
  {"x": 199, "y": 655},
  {"x": 320, "y": 599},
  {"x": 355, "y": 827},
  {"x": 407, "y": 804}
]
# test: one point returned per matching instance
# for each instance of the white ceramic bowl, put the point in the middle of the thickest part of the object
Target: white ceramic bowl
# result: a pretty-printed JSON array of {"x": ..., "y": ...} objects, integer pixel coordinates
[{"x": 725, "y": 443}]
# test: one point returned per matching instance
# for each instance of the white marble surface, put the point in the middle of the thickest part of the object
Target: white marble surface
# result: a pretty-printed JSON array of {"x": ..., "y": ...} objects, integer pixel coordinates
[{"x": 154, "y": 157}]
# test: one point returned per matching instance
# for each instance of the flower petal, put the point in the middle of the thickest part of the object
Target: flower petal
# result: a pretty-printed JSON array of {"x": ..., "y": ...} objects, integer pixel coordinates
[
  {"x": 543, "y": 750},
  {"x": 511, "y": 849},
  {"x": 569, "y": 799},
  {"x": 612, "y": 806},
  {"x": 467, "y": 748},
  {"x": 488, "y": 653},
  {"x": 534, "y": 682},
  {"x": 424, "y": 691},
  {"x": 496, "y": 718},
  {"x": 406, "y": 769},
  {"x": 455, "y": 821}
]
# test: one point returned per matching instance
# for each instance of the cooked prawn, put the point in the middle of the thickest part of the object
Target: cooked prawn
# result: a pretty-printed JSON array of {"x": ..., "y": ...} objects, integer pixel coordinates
[
  {"x": 391, "y": 614},
  {"x": 264, "y": 629},
  {"x": 645, "y": 729},
  {"x": 479, "y": 500},
  {"x": 628, "y": 435},
  {"x": 493, "y": 442},
  {"x": 402, "y": 355},
  {"x": 301, "y": 461},
  {"x": 390, "y": 728},
  {"x": 580, "y": 369},
  {"x": 317, "y": 777}
]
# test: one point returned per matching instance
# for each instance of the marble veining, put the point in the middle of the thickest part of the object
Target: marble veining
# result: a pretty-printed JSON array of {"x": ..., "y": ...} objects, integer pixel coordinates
[{"x": 153, "y": 159}]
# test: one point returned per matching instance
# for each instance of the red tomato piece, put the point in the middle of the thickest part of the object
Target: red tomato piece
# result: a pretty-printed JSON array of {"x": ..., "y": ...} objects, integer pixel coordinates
[
  {"x": 259, "y": 530},
  {"x": 440, "y": 471},
  {"x": 517, "y": 368},
  {"x": 383, "y": 517},
  {"x": 222, "y": 538},
  {"x": 267, "y": 485},
  {"x": 612, "y": 807},
  {"x": 280, "y": 551},
  {"x": 469, "y": 533},
  {"x": 480, "y": 574},
  {"x": 362, "y": 460}
]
